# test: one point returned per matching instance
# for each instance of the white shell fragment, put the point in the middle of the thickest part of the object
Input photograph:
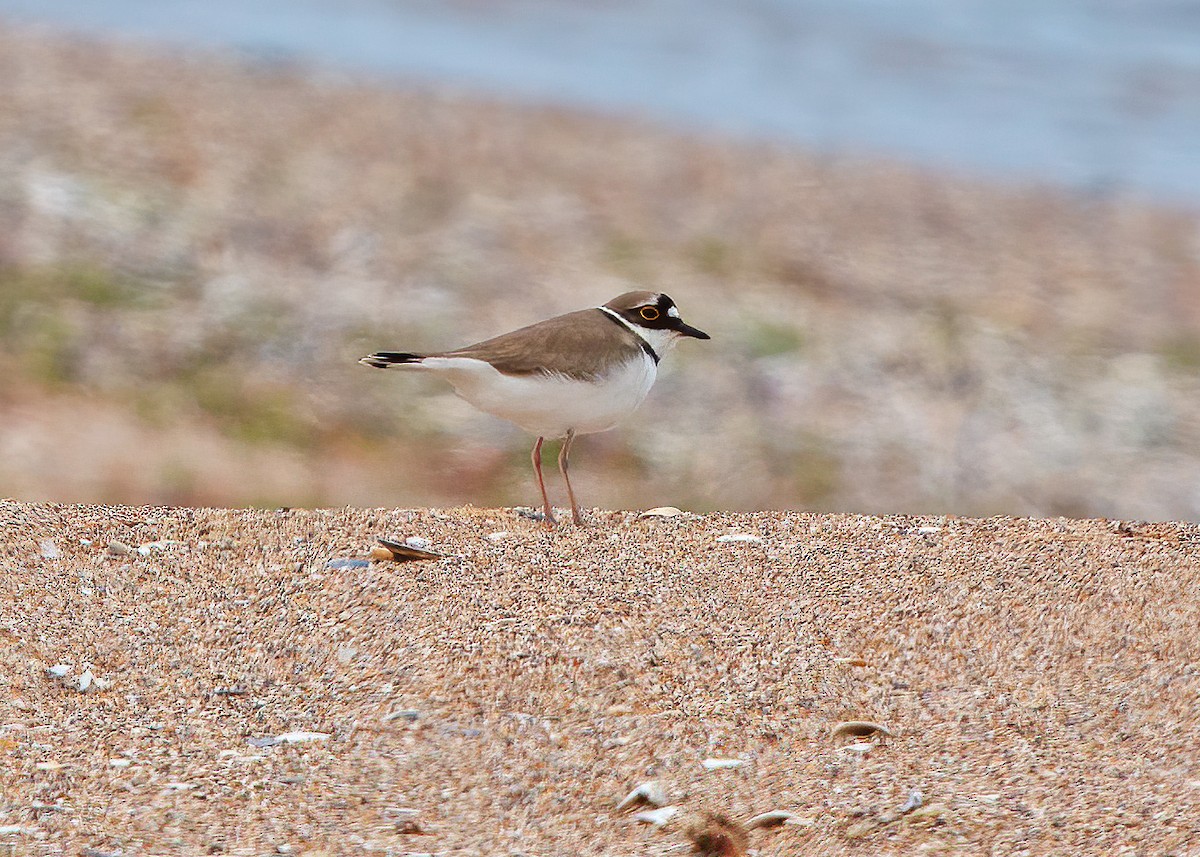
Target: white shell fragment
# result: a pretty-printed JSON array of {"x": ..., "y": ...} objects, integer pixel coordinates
[
  {"x": 651, "y": 792},
  {"x": 657, "y": 817},
  {"x": 662, "y": 512},
  {"x": 59, "y": 671},
  {"x": 49, "y": 549},
  {"x": 498, "y": 536},
  {"x": 860, "y": 747},
  {"x": 774, "y": 818},
  {"x": 301, "y": 737},
  {"x": 740, "y": 537},
  {"x": 719, "y": 764},
  {"x": 90, "y": 682},
  {"x": 915, "y": 799}
]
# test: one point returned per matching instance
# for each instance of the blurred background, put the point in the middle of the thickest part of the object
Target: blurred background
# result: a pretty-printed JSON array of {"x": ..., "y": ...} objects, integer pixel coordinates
[{"x": 949, "y": 252}]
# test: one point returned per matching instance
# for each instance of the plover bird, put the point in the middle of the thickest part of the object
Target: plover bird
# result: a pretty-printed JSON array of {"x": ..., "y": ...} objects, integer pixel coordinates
[{"x": 573, "y": 374}]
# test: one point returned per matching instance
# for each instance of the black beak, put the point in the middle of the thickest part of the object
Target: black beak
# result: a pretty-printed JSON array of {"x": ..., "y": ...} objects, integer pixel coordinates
[{"x": 688, "y": 330}]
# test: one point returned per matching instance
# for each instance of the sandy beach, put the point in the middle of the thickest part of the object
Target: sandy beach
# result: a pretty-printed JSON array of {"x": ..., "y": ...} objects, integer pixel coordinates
[{"x": 253, "y": 689}]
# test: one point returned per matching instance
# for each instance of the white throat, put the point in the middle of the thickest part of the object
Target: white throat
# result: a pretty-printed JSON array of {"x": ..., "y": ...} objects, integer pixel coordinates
[{"x": 661, "y": 341}]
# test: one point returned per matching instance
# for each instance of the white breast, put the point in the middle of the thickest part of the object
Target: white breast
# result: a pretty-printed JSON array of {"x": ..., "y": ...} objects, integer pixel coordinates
[{"x": 549, "y": 405}]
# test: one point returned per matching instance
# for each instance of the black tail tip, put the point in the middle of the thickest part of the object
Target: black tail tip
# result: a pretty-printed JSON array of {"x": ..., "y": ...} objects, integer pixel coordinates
[{"x": 384, "y": 359}]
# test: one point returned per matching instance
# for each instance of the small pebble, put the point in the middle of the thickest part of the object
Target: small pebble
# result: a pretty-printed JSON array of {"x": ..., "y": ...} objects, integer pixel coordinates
[
  {"x": 116, "y": 548},
  {"x": 498, "y": 536},
  {"x": 59, "y": 671},
  {"x": 345, "y": 563},
  {"x": 49, "y": 549}
]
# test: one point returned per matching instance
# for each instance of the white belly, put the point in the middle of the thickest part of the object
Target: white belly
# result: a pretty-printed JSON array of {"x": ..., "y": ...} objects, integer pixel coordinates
[{"x": 549, "y": 405}]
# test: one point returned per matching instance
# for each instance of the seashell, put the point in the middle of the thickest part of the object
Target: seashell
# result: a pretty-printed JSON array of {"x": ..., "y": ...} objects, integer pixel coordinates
[
  {"x": 419, "y": 542},
  {"x": 49, "y": 549},
  {"x": 662, "y": 512},
  {"x": 719, "y": 764},
  {"x": 859, "y": 729},
  {"x": 498, "y": 536},
  {"x": 740, "y": 537},
  {"x": 300, "y": 737},
  {"x": 59, "y": 670},
  {"x": 48, "y": 766},
  {"x": 860, "y": 747},
  {"x": 774, "y": 818},
  {"x": 657, "y": 817},
  {"x": 380, "y": 554},
  {"x": 409, "y": 714},
  {"x": 651, "y": 792},
  {"x": 116, "y": 548},
  {"x": 403, "y": 552}
]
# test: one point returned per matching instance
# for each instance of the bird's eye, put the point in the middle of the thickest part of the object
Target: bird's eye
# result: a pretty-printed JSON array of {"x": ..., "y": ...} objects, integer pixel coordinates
[{"x": 649, "y": 313}]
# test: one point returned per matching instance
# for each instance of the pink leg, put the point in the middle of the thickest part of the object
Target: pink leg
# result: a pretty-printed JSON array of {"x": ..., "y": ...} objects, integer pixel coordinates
[
  {"x": 537, "y": 468},
  {"x": 562, "y": 466}
]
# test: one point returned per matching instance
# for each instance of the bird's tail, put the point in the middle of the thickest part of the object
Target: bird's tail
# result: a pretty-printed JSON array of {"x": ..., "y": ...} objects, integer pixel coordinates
[{"x": 384, "y": 359}]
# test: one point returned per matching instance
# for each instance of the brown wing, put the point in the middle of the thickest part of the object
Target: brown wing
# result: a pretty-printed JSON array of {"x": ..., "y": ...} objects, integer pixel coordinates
[{"x": 583, "y": 344}]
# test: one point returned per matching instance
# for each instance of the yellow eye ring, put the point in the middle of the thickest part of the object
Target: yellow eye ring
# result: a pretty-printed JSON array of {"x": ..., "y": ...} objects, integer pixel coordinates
[{"x": 649, "y": 313}]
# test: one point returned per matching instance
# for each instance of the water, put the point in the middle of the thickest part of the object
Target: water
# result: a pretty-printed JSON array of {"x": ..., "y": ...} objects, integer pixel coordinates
[{"x": 1100, "y": 95}]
